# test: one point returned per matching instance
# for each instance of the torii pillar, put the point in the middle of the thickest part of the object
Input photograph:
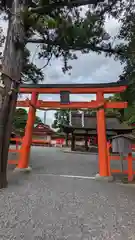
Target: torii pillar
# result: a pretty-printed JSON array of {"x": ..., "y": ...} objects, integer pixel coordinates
[
  {"x": 101, "y": 125},
  {"x": 23, "y": 163},
  {"x": 102, "y": 141}
]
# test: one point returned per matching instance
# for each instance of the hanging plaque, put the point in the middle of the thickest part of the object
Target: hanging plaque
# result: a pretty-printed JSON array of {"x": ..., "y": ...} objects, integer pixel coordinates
[{"x": 64, "y": 97}]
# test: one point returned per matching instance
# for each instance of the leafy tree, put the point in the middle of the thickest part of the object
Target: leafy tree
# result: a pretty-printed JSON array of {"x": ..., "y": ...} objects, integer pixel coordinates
[
  {"x": 38, "y": 120},
  {"x": 108, "y": 111},
  {"x": 60, "y": 29},
  {"x": 128, "y": 22},
  {"x": 20, "y": 120},
  {"x": 119, "y": 113},
  {"x": 61, "y": 118},
  {"x": 30, "y": 72},
  {"x": 129, "y": 114},
  {"x": 125, "y": 115}
]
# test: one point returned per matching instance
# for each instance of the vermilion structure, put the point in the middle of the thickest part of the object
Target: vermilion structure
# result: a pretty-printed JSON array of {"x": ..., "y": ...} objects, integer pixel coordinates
[{"x": 99, "y": 104}]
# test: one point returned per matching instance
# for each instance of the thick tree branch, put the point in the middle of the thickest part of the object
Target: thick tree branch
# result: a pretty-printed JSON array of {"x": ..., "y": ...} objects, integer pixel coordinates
[
  {"x": 72, "y": 3},
  {"x": 77, "y": 47}
]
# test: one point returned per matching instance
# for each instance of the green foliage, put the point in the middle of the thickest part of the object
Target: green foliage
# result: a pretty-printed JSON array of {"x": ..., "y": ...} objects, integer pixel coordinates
[
  {"x": 130, "y": 114},
  {"x": 61, "y": 118},
  {"x": 65, "y": 32},
  {"x": 20, "y": 120},
  {"x": 125, "y": 115},
  {"x": 73, "y": 32},
  {"x": 112, "y": 111},
  {"x": 127, "y": 33},
  {"x": 63, "y": 28},
  {"x": 38, "y": 120},
  {"x": 91, "y": 112},
  {"x": 30, "y": 74}
]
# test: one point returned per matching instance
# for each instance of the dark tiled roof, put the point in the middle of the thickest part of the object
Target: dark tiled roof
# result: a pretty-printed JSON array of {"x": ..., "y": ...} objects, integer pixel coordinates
[
  {"x": 112, "y": 123},
  {"x": 129, "y": 136},
  {"x": 76, "y": 85},
  {"x": 92, "y": 132},
  {"x": 42, "y": 129}
]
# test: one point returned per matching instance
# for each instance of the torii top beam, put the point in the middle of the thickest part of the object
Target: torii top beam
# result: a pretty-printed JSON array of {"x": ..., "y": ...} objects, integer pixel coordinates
[{"x": 113, "y": 87}]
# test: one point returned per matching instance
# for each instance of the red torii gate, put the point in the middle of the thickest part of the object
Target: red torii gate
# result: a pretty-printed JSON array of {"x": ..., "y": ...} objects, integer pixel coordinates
[{"x": 100, "y": 104}]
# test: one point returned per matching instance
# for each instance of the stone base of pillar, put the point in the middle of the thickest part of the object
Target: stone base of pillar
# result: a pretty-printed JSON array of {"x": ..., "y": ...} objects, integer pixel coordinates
[
  {"x": 25, "y": 170},
  {"x": 101, "y": 178}
]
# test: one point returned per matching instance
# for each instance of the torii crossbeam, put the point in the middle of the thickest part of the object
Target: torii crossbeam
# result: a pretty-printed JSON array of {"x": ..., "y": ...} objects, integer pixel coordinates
[{"x": 100, "y": 104}]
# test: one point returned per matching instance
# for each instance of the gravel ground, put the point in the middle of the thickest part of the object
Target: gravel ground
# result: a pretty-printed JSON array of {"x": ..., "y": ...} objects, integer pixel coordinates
[{"x": 45, "y": 206}]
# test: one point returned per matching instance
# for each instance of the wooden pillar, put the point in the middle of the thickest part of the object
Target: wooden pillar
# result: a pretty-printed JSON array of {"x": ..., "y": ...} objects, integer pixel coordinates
[
  {"x": 27, "y": 140},
  {"x": 102, "y": 142},
  {"x": 130, "y": 167},
  {"x": 73, "y": 142},
  {"x": 67, "y": 139},
  {"x": 86, "y": 141}
]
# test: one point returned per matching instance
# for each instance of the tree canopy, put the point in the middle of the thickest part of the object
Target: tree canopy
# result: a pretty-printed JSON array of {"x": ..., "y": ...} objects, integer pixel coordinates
[
  {"x": 63, "y": 27},
  {"x": 62, "y": 117},
  {"x": 20, "y": 120}
]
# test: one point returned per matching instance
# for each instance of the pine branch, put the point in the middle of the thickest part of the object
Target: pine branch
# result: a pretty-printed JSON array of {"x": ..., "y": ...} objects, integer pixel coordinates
[
  {"x": 77, "y": 47},
  {"x": 57, "y": 5}
]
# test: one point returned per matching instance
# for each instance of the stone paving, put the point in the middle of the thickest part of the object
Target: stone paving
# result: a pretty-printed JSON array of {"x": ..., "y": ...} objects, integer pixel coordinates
[{"x": 43, "y": 205}]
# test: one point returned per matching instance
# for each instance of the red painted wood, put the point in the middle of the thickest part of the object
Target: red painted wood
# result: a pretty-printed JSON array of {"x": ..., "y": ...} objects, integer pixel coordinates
[
  {"x": 55, "y": 104},
  {"x": 77, "y": 90}
]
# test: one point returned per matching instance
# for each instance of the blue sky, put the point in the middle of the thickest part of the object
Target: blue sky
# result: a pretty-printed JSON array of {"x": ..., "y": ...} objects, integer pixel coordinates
[{"x": 90, "y": 68}]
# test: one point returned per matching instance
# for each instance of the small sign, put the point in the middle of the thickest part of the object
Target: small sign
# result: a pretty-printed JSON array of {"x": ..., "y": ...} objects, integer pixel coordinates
[{"x": 64, "y": 97}]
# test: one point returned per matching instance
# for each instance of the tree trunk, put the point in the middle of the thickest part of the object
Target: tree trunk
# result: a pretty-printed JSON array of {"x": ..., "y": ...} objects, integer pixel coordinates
[
  {"x": 12, "y": 65},
  {"x": 6, "y": 139}
]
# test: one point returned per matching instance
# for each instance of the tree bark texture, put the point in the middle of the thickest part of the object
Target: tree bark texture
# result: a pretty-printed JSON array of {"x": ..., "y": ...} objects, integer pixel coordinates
[{"x": 12, "y": 65}]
